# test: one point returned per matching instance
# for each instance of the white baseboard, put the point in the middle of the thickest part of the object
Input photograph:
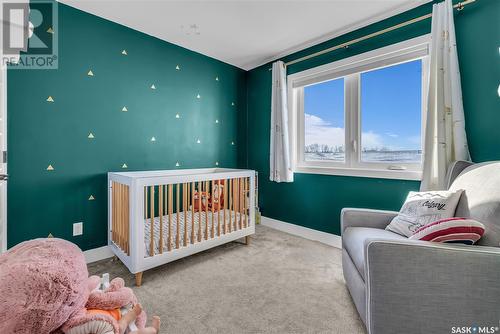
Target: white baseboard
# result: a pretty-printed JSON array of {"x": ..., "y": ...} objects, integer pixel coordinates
[
  {"x": 304, "y": 232},
  {"x": 97, "y": 254}
]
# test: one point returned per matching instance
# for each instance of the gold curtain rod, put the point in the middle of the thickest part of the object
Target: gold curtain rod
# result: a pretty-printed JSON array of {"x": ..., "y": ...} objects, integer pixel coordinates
[{"x": 459, "y": 6}]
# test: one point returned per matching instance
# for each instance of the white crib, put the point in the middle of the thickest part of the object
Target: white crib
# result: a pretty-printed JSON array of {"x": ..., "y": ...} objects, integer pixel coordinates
[{"x": 156, "y": 217}]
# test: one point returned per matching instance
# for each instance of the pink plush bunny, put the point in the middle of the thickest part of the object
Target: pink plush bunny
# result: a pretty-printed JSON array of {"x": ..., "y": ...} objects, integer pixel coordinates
[{"x": 95, "y": 318}]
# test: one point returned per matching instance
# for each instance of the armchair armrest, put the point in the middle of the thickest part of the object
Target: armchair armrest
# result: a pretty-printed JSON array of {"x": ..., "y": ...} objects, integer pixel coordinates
[
  {"x": 424, "y": 287},
  {"x": 351, "y": 217}
]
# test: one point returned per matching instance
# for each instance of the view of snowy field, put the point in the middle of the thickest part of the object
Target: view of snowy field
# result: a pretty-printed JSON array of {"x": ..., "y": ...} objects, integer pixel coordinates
[
  {"x": 390, "y": 112},
  {"x": 410, "y": 156}
]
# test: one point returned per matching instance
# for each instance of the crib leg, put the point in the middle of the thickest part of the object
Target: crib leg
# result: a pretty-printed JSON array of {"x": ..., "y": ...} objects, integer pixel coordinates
[
  {"x": 138, "y": 279},
  {"x": 247, "y": 240}
]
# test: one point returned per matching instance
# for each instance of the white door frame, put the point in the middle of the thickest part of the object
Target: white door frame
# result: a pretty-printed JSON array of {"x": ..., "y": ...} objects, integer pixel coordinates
[{"x": 3, "y": 164}]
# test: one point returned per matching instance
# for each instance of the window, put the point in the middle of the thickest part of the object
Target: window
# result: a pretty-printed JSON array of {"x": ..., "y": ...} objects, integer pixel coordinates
[
  {"x": 361, "y": 116},
  {"x": 324, "y": 121}
]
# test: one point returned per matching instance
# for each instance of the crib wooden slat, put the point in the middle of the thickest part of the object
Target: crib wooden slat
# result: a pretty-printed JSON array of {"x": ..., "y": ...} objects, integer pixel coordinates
[
  {"x": 117, "y": 220},
  {"x": 122, "y": 217},
  {"x": 212, "y": 231},
  {"x": 184, "y": 203},
  {"x": 160, "y": 212},
  {"x": 177, "y": 236},
  {"x": 199, "y": 211},
  {"x": 237, "y": 202},
  {"x": 246, "y": 202},
  {"x": 206, "y": 210},
  {"x": 218, "y": 207},
  {"x": 169, "y": 237},
  {"x": 241, "y": 202},
  {"x": 124, "y": 210},
  {"x": 113, "y": 214},
  {"x": 152, "y": 220},
  {"x": 127, "y": 220},
  {"x": 242, "y": 206},
  {"x": 192, "y": 212},
  {"x": 225, "y": 205},
  {"x": 119, "y": 215},
  {"x": 231, "y": 205}
]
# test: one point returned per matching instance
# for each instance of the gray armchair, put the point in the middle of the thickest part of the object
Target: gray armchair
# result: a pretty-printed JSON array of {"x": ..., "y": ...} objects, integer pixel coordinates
[{"x": 405, "y": 286}]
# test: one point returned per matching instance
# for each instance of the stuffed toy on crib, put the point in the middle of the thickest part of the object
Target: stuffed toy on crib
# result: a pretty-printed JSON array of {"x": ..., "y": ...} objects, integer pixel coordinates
[
  {"x": 209, "y": 201},
  {"x": 46, "y": 289}
]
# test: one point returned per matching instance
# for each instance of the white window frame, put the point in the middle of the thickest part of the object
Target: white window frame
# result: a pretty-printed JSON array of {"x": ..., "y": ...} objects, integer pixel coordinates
[{"x": 350, "y": 69}]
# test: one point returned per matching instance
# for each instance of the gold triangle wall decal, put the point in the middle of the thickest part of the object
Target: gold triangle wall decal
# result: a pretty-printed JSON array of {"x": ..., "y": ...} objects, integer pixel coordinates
[
  {"x": 90, "y": 136},
  {"x": 90, "y": 73},
  {"x": 124, "y": 109},
  {"x": 91, "y": 198},
  {"x": 177, "y": 164},
  {"x": 50, "y": 168},
  {"x": 124, "y": 52},
  {"x": 177, "y": 67},
  {"x": 124, "y": 166},
  {"x": 50, "y": 30},
  {"x": 50, "y": 99},
  {"x": 153, "y": 86},
  {"x": 50, "y": 235}
]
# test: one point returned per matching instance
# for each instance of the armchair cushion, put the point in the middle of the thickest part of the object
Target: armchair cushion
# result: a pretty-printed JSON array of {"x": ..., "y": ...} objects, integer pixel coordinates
[
  {"x": 353, "y": 241},
  {"x": 350, "y": 217}
]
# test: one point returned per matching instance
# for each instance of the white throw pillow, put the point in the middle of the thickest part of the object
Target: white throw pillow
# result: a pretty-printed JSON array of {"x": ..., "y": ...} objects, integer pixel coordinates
[{"x": 422, "y": 208}]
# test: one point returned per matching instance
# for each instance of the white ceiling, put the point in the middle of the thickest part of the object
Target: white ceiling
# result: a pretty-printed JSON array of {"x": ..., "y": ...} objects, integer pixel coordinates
[{"x": 244, "y": 33}]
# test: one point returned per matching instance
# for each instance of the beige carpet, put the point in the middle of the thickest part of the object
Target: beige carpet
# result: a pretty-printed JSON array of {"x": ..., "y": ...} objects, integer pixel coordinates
[{"x": 278, "y": 284}]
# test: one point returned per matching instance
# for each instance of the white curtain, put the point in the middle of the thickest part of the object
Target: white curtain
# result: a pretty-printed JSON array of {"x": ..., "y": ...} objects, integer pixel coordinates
[
  {"x": 280, "y": 168},
  {"x": 445, "y": 138}
]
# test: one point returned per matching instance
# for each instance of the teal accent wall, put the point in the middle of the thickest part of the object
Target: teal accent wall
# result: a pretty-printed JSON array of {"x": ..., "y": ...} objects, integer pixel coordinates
[
  {"x": 42, "y": 133},
  {"x": 315, "y": 201}
]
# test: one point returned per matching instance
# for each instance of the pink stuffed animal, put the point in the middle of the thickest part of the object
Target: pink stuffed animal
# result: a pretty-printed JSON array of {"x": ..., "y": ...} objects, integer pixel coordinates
[
  {"x": 97, "y": 316},
  {"x": 43, "y": 282},
  {"x": 45, "y": 288}
]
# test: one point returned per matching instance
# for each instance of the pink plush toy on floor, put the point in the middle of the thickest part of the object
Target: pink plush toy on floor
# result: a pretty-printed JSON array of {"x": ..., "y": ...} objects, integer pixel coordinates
[
  {"x": 45, "y": 289},
  {"x": 113, "y": 309}
]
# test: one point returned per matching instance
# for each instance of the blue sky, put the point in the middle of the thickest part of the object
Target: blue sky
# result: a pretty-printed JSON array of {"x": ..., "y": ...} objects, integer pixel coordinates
[{"x": 390, "y": 108}]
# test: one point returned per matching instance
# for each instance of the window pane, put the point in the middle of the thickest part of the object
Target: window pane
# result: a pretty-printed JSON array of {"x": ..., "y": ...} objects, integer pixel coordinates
[
  {"x": 391, "y": 113},
  {"x": 324, "y": 121}
]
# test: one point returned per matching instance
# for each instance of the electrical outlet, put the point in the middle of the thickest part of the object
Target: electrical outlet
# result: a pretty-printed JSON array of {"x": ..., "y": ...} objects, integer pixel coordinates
[{"x": 77, "y": 228}]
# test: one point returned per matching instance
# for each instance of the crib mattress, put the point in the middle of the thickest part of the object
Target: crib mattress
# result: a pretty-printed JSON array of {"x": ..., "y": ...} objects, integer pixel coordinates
[{"x": 231, "y": 216}]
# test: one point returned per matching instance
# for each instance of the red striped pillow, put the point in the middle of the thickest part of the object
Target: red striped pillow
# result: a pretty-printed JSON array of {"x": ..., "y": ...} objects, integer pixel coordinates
[{"x": 453, "y": 230}]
